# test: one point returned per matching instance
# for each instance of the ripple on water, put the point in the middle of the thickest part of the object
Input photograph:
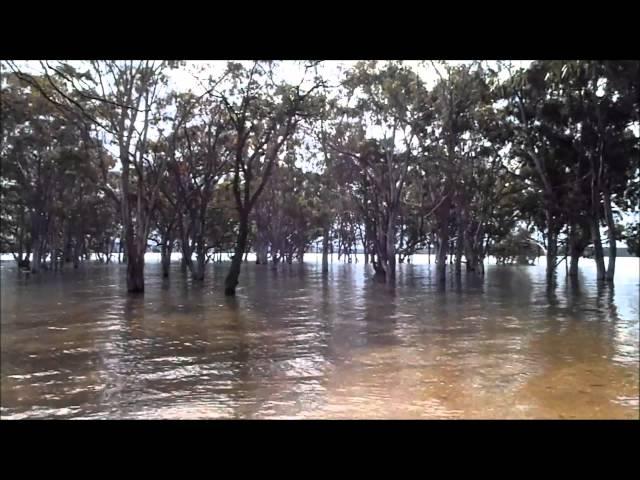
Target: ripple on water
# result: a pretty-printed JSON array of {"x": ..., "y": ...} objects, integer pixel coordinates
[{"x": 294, "y": 345}]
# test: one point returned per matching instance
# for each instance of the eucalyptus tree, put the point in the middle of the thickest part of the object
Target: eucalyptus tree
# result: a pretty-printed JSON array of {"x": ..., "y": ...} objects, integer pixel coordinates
[
  {"x": 387, "y": 99},
  {"x": 198, "y": 162},
  {"x": 50, "y": 175},
  {"x": 446, "y": 146},
  {"x": 263, "y": 114}
]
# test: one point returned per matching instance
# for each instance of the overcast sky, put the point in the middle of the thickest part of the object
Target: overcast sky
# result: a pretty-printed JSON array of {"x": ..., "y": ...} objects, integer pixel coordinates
[{"x": 292, "y": 71}]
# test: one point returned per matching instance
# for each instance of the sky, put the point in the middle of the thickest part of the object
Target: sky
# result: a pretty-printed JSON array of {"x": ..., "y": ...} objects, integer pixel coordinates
[{"x": 291, "y": 70}]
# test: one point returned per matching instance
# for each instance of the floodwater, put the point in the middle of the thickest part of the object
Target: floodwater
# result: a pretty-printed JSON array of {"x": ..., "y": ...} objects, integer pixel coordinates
[{"x": 296, "y": 345}]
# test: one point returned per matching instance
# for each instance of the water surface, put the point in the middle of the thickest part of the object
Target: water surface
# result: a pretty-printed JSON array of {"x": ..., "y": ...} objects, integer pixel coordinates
[{"x": 296, "y": 345}]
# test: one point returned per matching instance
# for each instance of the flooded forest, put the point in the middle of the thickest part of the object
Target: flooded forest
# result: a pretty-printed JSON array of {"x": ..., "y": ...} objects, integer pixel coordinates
[{"x": 320, "y": 239}]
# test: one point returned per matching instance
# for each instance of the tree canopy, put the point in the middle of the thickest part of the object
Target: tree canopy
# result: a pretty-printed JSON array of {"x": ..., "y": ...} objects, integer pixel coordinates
[{"x": 477, "y": 158}]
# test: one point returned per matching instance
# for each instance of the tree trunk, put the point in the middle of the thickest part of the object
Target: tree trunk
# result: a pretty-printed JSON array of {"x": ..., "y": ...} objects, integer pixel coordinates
[
  {"x": 38, "y": 241},
  {"x": 471, "y": 256},
  {"x": 574, "y": 251},
  {"x": 325, "y": 250},
  {"x": 390, "y": 271},
  {"x": 197, "y": 269},
  {"x": 365, "y": 243},
  {"x": 459, "y": 246},
  {"x": 262, "y": 246},
  {"x": 76, "y": 254},
  {"x": 135, "y": 271},
  {"x": 68, "y": 246},
  {"x": 37, "y": 256},
  {"x": 443, "y": 214},
  {"x": 85, "y": 250},
  {"x": 262, "y": 251},
  {"x": 231, "y": 282},
  {"x": 301, "y": 249},
  {"x": 552, "y": 245},
  {"x": 595, "y": 223},
  {"x": 136, "y": 248},
  {"x": 165, "y": 254},
  {"x": 597, "y": 248},
  {"x": 611, "y": 234},
  {"x": 573, "y": 267},
  {"x": 552, "y": 254},
  {"x": 187, "y": 252},
  {"x": 441, "y": 256},
  {"x": 109, "y": 246}
]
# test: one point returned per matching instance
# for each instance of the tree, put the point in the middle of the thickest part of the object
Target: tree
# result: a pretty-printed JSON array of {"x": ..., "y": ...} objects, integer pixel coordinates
[
  {"x": 388, "y": 98},
  {"x": 50, "y": 173},
  {"x": 263, "y": 116},
  {"x": 198, "y": 162},
  {"x": 123, "y": 99}
]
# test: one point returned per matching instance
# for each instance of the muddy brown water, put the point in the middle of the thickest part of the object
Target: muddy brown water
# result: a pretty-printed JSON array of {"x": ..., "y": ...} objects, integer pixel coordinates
[{"x": 296, "y": 345}]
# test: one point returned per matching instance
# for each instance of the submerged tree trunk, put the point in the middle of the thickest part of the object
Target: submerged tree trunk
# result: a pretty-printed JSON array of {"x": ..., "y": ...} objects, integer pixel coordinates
[
  {"x": 231, "y": 282},
  {"x": 471, "y": 256},
  {"x": 187, "y": 260},
  {"x": 574, "y": 251},
  {"x": 167, "y": 247},
  {"x": 197, "y": 269},
  {"x": 573, "y": 267},
  {"x": 325, "y": 250},
  {"x": 262, "y": 252},
  {"x": 459, "y": 247},
  {"x": 552, "y": 254},
  {"x": 390, "y": 274},
  {"x": 574, "y": 255},
  {"x": 365, "y": 243},
  {"x": 443, "y": 240},
  {"x": 301, "y": 249},
  {"x": 76, "y": 254},
  {"x": 552, "y": 245},
  {"x": 262, "y": 247},
  {"x": 68, "y": 246},
  {"x": 611, "y": 234},
  {"x": 595, "y": 221},
  {"x": 135, "y": 271},
  {"x": 441, "y": 258},
  {"x": 598, "y": 253},
  {"x": 37, "y": 255}
]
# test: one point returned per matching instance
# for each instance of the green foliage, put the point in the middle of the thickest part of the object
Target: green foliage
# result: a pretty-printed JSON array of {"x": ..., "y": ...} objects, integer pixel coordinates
[
  {"x": 483, "y": 157},
  {"x": 516, "y": 247},
  {"x": 632, "y": 236}
]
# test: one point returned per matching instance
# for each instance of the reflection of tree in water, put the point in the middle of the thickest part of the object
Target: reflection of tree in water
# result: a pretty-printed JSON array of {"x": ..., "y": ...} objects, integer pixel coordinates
[
  {"x": 380, "y": 314},
  {"x": 117, "y": 354},
  {"x": 282, "y": 348}
]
